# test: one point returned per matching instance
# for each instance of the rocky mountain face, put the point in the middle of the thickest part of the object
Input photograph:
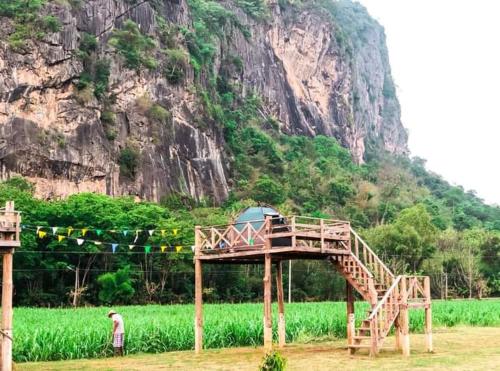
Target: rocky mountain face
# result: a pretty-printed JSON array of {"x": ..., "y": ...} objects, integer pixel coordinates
[{"x": 76, "y": 113}]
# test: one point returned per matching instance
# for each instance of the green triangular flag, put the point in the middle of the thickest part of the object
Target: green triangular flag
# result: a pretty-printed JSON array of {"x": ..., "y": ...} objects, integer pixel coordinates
[
  {"x": 147, "y": 249},
  {"x": 98, "y": 232}
]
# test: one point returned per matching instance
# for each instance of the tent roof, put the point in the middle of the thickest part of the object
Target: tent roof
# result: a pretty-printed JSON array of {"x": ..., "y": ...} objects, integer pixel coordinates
[{"x": 257, "y": 213}]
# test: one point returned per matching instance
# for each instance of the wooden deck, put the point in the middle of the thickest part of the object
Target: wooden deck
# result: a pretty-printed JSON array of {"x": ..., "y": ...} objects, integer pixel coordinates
[{"x": 284, "y": 238}]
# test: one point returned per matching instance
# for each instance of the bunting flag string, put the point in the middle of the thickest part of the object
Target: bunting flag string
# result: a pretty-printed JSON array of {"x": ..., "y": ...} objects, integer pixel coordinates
[
  {"x": 148, "y": 249},
  {"x": 82, "y": 232}
]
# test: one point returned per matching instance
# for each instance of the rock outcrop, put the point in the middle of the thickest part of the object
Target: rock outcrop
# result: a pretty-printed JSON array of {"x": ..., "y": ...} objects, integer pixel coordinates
[{"x": 314, "y": 74}]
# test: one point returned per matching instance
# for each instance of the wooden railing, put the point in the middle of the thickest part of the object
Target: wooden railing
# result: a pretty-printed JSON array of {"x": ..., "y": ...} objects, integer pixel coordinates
[
  {"x": 404, "y": 291},
  {"x": 362, "y": 251},
  {"x": 385, "y": 312},
  {"x": 253, "y": 233}
]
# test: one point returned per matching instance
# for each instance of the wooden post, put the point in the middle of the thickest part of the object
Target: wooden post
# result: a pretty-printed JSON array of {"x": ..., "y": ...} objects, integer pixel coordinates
[
  {"x": 281, "y": 305},
  {"x": 350, "y": 316},
  {"x": 198, "y": 296},
  {"x": 397, "y": 324},
  {"x": 428, "y": 315},
  {"x": 268, "y": 324},
  {"x": 7, "y": 312},
  {"x": 294, "y": 238},
  {"x": 10, "y": 225},
  {"x": 290, "y": 281},
  {"x": 374, "y": 336},
  {"x": 404, "y": 319},
  {"x": 322, "y": 234},
  {"x": 397, "y": 333}
]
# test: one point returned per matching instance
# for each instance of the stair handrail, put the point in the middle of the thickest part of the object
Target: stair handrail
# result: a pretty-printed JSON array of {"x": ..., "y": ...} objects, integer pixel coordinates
[
  {"x": 377, "y": 259},
  {"x": 385, "y": 297},
  {"x": 364, "y": 267}
]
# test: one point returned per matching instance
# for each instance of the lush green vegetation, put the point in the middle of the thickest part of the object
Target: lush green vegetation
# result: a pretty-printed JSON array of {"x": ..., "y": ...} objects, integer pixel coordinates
[
  {"x": 135, "y": 47},
  {"x": 128, "y": 160},
  {"x": 52, "y": 334},
  {"x": 28, "y": 22}
]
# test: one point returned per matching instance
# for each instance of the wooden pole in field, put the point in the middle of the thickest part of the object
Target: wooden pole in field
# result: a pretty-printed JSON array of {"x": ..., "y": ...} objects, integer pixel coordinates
[
  {"x": 428, "y": 315},
  {"x": 404, "y": 319},
  {"x": 290, "y": 281},
  {"x": 268, "y": 324},
  {"x": 198, "y": 296},
  {"x": 10, "y": 225},
  {"x": 281, "y": 305},
  {"x": 350, "y": 316}
]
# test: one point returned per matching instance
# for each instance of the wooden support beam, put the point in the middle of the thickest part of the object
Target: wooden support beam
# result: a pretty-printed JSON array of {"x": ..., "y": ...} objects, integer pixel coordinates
[
  {"x": 281, "y": 306},
  {"x": 198, "y": 298},
  {"x": 404, "y": 320},
  {"x": 350, "y": 316},
  {"x": 10, "y": 221},
  {"x": 428, "y": 315},
  {"x": 7, "y": 312},
  {"x": 322, "y": 234},
  {"x": 374, "y": 336},
  {"x": 268, "y": 324},
  {"x": 397, "y": 333}
]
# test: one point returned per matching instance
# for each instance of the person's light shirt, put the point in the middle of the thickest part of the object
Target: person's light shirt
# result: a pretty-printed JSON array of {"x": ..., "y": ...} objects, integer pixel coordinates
[{"x": 120, "y": 329}]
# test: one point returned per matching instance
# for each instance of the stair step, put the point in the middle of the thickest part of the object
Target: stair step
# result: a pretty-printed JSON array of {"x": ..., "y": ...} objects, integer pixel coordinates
[
  {"x": 361, "y": 337},
  {"x": 359, "y": 346}
]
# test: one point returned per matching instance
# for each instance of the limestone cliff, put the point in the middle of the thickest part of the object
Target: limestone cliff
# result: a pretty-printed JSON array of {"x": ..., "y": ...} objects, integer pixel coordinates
[{"x": 318, "y": 71}]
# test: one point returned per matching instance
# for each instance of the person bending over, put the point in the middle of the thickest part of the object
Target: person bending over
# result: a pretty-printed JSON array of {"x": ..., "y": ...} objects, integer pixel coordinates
[{"x": 118, "y": 332}]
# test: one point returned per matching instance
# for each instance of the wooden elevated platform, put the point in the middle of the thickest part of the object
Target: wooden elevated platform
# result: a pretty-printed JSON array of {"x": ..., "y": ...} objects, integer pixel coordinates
[
  {"x": 284, "y": 238},
  {"x": 278, "y": 238}
]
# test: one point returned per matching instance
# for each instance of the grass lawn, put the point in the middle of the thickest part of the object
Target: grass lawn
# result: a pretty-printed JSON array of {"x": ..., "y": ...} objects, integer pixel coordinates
[{"x": 457, "y": 348}]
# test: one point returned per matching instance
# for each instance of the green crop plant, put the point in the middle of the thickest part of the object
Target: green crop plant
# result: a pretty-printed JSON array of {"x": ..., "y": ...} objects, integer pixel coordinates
[{"x": 56, "y": 334}]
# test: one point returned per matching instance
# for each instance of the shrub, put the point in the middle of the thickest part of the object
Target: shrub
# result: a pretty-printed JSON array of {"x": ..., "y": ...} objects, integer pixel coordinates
[
  {"x": 269, "y": 191},
  {"x": 133, "y": 46},
  {"x": 20, "y": 184},
  {"x": 108, "y": 117},
  {"x": 158, "y": 113},
  {"x": 88, "y": 44},
  {"x": 273, "y": 361},
  {"x": 51, "y": 23},
  {"x": 116, "y": 287},
  {"x": 84, "y": 95},
  {"x": 175, "y": 65},
  {"x": 128, "y": 161},
  {"x": 254, "y": 8},
  {"x": 178, "y": 201}
]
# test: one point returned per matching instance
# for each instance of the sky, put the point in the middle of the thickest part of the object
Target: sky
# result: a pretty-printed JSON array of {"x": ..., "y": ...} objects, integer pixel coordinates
[{"x": 445, "y": 60}]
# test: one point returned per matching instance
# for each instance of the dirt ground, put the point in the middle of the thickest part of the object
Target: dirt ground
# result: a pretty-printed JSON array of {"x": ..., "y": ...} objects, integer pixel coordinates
[{"x": 461, "y": 348}]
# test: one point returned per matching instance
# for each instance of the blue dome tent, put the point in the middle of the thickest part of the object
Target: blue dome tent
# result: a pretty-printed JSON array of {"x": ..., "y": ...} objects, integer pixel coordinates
[{"x": 256, "y": 215}]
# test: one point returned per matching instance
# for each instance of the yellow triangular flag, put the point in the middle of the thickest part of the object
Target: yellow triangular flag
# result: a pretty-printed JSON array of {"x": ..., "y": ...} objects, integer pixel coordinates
[
  {"x": 163, "y": 248},
  {"x": 178, "y": 248},
  {"x": 42, "y": 234},
  {"x": 60, "y": 238},
  {"x": 175, "y": 232},
  {"x": 162, "y": 233},
  {"x": 84, "y": 231},
  {"x": 70, "y": 230}
]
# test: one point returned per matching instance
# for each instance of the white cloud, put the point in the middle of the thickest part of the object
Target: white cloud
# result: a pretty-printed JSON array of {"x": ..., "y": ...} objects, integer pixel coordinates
[{"x": 445, "y": 59}]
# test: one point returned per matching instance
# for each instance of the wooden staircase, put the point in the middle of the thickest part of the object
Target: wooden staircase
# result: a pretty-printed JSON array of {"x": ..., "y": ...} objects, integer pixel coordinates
[{"x": 389, "y": 297}]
